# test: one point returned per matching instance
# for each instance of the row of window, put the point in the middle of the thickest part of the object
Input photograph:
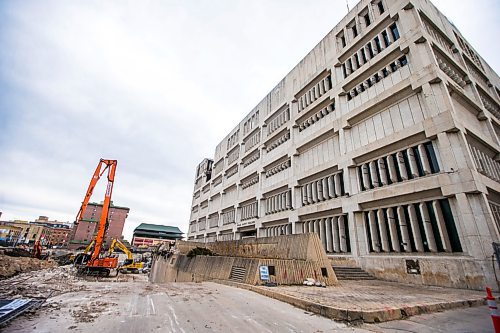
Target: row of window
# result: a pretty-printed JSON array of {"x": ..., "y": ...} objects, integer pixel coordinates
[
  {"x": 377, "y": 77},
  {"x": 371, "y": 49},
  {"x": 280, "y": 119},
  {"x": 317, "y": 116},
  {"x": 418, "y": 227},
  {"x": 249, "y": 211},
  {"x": 333, "y": 233},
  {"x": 325, "y": 188},
  {"x": 416, "y": 161},
  {"x": 279, "y": 202},
  {"x": 318, "y": 90}
]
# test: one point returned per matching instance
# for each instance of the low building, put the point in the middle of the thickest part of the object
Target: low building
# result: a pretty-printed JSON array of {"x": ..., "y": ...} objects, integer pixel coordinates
[
  {"x": 149, "y": 235},
  {"x": 9, "y": 234},
  {"x": 87, "y": 227}
]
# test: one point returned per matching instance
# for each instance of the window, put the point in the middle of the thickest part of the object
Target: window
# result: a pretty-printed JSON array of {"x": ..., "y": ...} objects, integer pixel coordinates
[
  {"x": 354, "y": 30},
  {"x": 381, "y": 8},
  {"x": 363, "y": 55},
  {"x": 343, "y": 70},
  {"x": 387, "y": 42},
  {"x": 272, "y": 271},
  {"x": 367, "y": 19},
  {"x": 356, "y": 58},
  {"x": 394, "y": 31},
  {"x": 403, "y": 60},
  {"x": 377, "y": 44},
  {"x": 349, "y": 64},
  {"x": 370, "y": 50},
  {"x": 324, "y": 272}
]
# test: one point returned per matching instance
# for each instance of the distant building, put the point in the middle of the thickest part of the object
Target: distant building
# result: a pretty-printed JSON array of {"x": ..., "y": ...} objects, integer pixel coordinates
[
  {"x": 147, "y": 235},
  {"x": 9, "y": 233},
  {"x": 87, "y": 228}
]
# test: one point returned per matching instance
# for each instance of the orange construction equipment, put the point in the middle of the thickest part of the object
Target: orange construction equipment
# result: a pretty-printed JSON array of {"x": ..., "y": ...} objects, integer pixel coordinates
[
  {"x": 96, "y": 262},
  {"x": 37, "y": 250}
]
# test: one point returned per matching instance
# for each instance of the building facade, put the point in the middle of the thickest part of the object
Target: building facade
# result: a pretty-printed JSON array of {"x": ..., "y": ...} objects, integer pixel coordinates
[
  {"x": 384, "y": 140},
  {"x": 150, "y": 235},
  {"x": 86, "y": 229}
]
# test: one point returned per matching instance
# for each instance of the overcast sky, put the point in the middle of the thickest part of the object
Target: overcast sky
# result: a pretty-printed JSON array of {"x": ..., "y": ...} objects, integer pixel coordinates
[{"x": 153, "y": 84}]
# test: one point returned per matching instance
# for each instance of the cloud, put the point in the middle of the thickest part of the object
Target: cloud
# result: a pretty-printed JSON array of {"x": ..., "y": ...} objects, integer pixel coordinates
[{"x": 155, "y": 85}]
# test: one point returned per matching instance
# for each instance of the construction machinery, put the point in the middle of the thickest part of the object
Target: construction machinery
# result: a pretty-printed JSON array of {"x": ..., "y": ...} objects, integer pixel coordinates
[
  {"x": 96, "y": 261},
  {"x": 129, "y": 265}
]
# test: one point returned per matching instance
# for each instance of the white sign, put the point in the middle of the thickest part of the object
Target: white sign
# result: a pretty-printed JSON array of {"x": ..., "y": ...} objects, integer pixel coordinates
[{"x": 264, "y": 273}]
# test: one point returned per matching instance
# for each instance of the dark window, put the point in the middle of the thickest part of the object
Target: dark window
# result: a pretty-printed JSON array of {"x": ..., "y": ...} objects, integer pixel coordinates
[
  {"x": 450, "y": 226},
  {"x": 370, "y": 50},
  {"x": 394, "y": 31},
  {"x": 361, "y": 87},
  {"x": 354, "y": 30},
  {"x": 377, "y": 77},
  {"x": 432, "y": 157},
  {"x": 387, "y": 42},
  {"x": 343, "y": 70},
  {"x": 393, "y": 67},
  {"x": 367, "y": 19},
  {"x": 349, "y": 97},
  {"x": 349, "y": 64},
  {"x": 324, "y": 272},
  {"x": 385, "y": 72},
  {"x": 272, "y": 270},
  {"x": 369, "y": 82},
  {"x": 368, "y": 233},
  {"x": 356, "y": 59},
  {"x": 360, "y": 176},
  {"x": 342, "y": 40},
  {"x": 381, "y": 8},
  {"x": 403, "y": 61},
  {"x": 377, "y": 43},
  {"x": 363, "y": 55}
]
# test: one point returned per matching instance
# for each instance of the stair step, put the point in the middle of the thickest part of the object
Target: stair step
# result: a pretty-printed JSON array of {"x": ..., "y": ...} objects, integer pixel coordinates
[{"x": 351, "y": 273}]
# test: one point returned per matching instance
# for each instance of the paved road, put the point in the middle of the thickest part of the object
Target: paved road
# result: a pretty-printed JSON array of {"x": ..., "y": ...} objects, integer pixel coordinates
[{"x": 137, "y": 306}]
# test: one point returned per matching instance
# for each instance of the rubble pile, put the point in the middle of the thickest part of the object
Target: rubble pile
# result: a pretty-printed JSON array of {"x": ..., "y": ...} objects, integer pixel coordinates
[
  {"x": 11, "y": 266},
  {"x": 42, "y": 284}
]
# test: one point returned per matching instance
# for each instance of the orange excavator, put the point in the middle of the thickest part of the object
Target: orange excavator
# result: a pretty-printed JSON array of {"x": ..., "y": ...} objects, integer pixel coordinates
[{"x": 95, "y": 261}]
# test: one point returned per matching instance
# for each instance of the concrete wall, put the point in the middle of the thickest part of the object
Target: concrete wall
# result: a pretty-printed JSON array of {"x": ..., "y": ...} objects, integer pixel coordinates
[{"x": 308, "y": 260}]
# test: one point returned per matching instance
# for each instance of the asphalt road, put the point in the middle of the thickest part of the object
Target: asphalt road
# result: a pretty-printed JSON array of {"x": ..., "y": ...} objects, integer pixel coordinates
[{"x": 137, "y": 306}]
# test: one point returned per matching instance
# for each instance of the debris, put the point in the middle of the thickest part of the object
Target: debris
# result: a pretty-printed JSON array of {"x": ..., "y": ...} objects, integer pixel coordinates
[
  {"x": 13, "y": 265},
  {"x": 199, "y": 251},
  {"x": 309, "y": 282}
]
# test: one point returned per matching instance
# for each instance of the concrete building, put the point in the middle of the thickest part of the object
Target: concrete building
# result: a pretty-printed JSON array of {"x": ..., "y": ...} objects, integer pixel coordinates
[
  {"x": 86, "y": 229},
  {"x": 384, "y": 140},
  {"x": 148, "y": 235}
]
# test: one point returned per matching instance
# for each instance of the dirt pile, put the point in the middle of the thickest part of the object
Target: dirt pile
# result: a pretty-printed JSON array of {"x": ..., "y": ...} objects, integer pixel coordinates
[
  {"x": 42, "y": 284},
  {"x": 10, "y": 266}
]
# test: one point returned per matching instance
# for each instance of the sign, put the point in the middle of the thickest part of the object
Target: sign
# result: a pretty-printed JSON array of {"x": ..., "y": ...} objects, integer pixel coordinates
[{"x": 264, "y": 273}]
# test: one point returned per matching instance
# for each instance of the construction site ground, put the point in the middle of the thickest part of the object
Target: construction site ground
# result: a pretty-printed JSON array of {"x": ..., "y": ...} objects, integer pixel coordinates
[{"x": 129, "y": 303}]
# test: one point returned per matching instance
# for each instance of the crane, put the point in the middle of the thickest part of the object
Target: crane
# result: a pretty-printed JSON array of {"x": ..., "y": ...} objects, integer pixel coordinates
[{"x": 94, "y": 261}]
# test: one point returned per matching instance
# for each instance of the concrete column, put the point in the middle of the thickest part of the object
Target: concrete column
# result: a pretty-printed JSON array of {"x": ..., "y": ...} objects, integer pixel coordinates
[
  {"x": 389, "y": 35},
  {"x": 384, "y": 239},
  {"x": 342, "y": 234},
  {"x": 413, "y": 162},
  {"x": 374, "y": 173},
  {"x": 382, "y": 42},
  {"x": 328, "y": 86},
  {"x": 365, "y": 169},
  {"x": 314, "y": 192},
  {"x": 331, "y": 187},
  {"x": 319, "y": 185},
  {"x": 373, "y": 231},
  {"x": 336, "y": 234},
  {"x": 393, "y": 230},
  {"x": 393, "y": 176},
  {"x": 322, "y": 234},
  {"x": 329, "y": 235},
  {"x": 324, "y": 183},
  {"x": 338, "y": 188},
  {"x": 382, "y": 171},
  {"x": 429, "y": 233},
  {"x": 316, "y": 226},
  {"x": 308, "y": 98},
  {"x": 321, "y": 86},
  {"x": 417, "y": 238},
  {"x": 309, "y": 193},
  {"x": 288, "y": 199},
  {"x": 403, "y": 227},
  {"x": 374, "y": 47},
  {"x": 279, "y": 198},
  {"x": 401, "y": 165},
  {"x": 443, "y": 232},
  {"x": 426, "y": 166}
]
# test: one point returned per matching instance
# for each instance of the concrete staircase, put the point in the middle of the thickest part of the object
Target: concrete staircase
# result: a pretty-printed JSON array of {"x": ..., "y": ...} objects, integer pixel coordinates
[{"x": 351, "y": 273}]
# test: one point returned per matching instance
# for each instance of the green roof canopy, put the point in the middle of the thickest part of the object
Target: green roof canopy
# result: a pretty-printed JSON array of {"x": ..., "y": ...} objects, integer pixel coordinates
[{"x": 145, "y": 227}]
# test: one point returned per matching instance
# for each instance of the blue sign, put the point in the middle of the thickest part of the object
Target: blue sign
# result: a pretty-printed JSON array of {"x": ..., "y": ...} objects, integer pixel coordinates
[{"x": 264, "y": 273}]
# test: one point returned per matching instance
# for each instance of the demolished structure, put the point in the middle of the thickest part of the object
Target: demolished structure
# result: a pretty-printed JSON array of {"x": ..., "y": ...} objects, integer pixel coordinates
[{"x": 383, "y": 140}]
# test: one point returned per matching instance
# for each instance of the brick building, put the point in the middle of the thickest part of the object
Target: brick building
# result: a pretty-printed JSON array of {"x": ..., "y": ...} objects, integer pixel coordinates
[
  {"x": 86, "y": 229},
  {"x": 383, "y": 140}
]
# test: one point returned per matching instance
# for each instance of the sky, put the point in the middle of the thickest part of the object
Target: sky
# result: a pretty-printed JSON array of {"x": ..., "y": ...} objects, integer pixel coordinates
[{"x": 155, "y": 85}]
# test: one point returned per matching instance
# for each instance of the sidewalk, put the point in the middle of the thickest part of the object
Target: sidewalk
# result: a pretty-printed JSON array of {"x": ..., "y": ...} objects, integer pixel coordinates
[{"x": 370, "y": 301}]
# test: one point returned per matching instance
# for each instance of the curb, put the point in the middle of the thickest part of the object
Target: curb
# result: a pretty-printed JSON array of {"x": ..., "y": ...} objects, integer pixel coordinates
[{"x": 357, "y": 316}]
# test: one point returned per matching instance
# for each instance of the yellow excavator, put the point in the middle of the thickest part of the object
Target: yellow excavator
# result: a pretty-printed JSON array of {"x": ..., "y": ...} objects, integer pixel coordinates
[{"x": 129, "y": 266}]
